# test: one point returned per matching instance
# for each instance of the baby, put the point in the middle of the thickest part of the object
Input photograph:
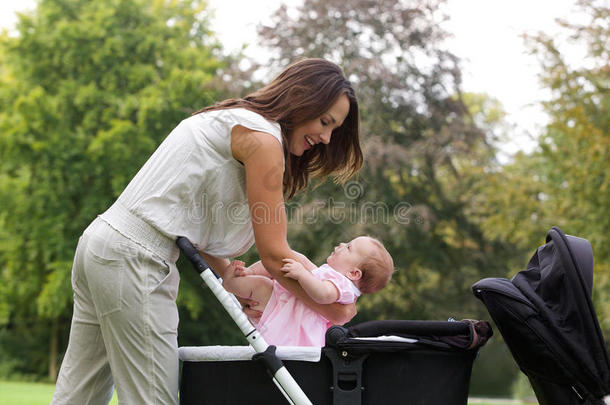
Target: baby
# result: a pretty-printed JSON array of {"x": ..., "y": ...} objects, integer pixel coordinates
[{"x": 362, "y": 265}]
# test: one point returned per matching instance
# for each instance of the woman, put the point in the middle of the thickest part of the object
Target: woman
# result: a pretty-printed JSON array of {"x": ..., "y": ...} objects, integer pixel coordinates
[{"x": 219, "y": 179}]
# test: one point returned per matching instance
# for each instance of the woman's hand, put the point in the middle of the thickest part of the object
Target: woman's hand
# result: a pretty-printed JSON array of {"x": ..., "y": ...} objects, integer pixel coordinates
[{"x": 246, "y": 306}]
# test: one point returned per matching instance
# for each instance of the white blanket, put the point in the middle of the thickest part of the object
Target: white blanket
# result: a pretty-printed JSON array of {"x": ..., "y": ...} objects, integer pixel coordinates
[
  {"x": 385, "y": 338},
  {"x": 235, "y": 353}
]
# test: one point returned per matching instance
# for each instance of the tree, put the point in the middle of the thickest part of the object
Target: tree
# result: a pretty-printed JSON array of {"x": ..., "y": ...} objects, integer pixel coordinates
[
  {"x": 423, "y": 148},
  {"x": 87, "y": 91},
  {"x": 429, "y": 153},
  {"x": 566, "y": 181}
]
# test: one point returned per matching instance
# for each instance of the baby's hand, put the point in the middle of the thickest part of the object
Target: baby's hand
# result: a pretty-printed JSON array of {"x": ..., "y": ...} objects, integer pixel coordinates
[{"x": 292, "y": 269}]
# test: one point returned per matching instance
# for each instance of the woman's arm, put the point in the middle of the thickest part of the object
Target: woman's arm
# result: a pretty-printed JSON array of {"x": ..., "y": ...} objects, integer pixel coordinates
[
  {"x": 218, "y": 264},
  {"x": 262, "y": 156}
]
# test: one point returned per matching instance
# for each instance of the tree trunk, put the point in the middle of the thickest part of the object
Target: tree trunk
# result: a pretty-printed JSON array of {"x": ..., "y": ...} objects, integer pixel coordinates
[{"x": 53, "y": 350}]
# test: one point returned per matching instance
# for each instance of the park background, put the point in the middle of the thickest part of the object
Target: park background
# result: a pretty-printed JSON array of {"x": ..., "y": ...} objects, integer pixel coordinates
[{"x": 88, "y": 89}]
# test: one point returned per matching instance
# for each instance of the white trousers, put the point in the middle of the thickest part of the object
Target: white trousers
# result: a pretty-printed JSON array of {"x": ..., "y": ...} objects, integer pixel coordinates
[{"x": 125, "y": 324}]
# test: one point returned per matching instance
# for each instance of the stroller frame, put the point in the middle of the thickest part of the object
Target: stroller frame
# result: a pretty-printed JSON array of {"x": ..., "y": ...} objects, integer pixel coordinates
[{"x": 266, "y": 353}]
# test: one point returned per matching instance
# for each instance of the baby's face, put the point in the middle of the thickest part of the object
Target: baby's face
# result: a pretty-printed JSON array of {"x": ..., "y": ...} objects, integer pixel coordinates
[{"x": 350, "y": 255}]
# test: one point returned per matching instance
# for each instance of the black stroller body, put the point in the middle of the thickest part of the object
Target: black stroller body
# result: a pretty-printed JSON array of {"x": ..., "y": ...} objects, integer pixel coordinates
[
  {"x": 409, "y": 362},
  {"x": 379, "y": 362},
  {"x": 546, "y": 316}
]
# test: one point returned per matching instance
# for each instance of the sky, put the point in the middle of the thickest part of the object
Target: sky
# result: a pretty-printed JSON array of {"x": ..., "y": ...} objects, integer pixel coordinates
[{"x": 486, "y": 35}]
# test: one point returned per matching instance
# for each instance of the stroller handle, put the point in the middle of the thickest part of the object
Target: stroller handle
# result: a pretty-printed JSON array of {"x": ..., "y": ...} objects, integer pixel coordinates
[
  {"x": 281, "y": 377},
  {"x": 193, "y": 255}
]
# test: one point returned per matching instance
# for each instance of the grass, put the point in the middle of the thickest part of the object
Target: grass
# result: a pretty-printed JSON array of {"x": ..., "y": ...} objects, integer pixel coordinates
[{"x": 27, "y": 393}]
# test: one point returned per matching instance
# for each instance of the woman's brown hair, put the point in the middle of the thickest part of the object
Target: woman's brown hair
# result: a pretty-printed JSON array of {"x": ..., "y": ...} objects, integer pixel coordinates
[{"x": 304, "y": 91}]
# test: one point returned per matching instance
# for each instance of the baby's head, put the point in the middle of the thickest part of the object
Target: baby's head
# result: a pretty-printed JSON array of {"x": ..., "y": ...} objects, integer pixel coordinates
[{"x": 365, "y": 261}]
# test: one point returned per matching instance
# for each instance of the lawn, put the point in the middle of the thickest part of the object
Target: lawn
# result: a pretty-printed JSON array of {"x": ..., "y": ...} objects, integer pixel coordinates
[{"x": 26, "y": 393}]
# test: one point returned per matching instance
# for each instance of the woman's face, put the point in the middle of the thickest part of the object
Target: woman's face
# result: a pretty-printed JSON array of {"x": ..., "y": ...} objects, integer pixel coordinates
[{"x": 319, "y": 130}]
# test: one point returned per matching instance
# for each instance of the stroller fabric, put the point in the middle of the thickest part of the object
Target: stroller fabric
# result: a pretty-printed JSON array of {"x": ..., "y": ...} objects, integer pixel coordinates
[
  {"x": 391, "y": 362},
  {"x": 452, "y": 335},
  {"x": 547, "y": 319}
]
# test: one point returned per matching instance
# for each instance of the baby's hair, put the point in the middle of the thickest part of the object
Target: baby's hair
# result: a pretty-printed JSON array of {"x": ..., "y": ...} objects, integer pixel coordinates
[{"x": 377, "y": 269}]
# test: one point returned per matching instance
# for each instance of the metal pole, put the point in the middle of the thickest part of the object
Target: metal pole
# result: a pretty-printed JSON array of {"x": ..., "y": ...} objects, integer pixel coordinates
[{"x": 281, "y": 377}]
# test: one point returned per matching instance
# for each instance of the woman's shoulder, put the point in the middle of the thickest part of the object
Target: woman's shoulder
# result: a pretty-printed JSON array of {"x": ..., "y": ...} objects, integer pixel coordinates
[
  {"x": 257, "y": 119},
  {"x": 248, "y": 119}
]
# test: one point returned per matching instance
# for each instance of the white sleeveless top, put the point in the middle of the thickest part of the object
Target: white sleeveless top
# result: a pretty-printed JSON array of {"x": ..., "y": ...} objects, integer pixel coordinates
[{"x": 192, "y": 185}]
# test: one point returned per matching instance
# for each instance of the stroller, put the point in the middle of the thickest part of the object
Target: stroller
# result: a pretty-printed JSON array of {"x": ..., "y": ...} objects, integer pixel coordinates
[
  {"x": 374, "y": 362},
  {"x": 391, "y": 362},
  {"x": 547, "y": 319}
]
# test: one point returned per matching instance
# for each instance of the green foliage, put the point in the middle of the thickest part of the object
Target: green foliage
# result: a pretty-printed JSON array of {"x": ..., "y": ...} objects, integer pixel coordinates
[
  {"x": 24, "y": 349},
  {"x": 429, "y": 151},
  {"x": 203, "y": 320},
  {"x": 566, "y": 181},
  {"x": 522, "y": 389},
  {"x": 426, "y": 148},
  {"x": 575, "y": 147},
  {"x": 88, "y": 89},
  {"x": 493, "y": 369}
]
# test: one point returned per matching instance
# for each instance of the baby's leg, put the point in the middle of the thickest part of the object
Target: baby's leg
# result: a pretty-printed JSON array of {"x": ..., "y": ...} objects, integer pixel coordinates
[
  {"x": 257, "y": 288},
  {"x": 258, "y": 269}
]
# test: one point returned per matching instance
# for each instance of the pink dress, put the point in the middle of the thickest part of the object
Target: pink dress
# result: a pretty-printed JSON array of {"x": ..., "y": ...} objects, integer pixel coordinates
[{"x": 287, "y": 321}]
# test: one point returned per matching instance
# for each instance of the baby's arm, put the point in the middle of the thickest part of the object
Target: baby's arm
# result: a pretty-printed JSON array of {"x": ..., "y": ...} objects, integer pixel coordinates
[
  {"x": 322, "y": 292},
  {"x": 253, "y": 287},
  {"x": 256, "y": 269}
]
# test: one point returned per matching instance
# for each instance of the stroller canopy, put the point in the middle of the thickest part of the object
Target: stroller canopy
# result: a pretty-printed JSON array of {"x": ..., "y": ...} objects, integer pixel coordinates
[{"x": 547, "y": 319}]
